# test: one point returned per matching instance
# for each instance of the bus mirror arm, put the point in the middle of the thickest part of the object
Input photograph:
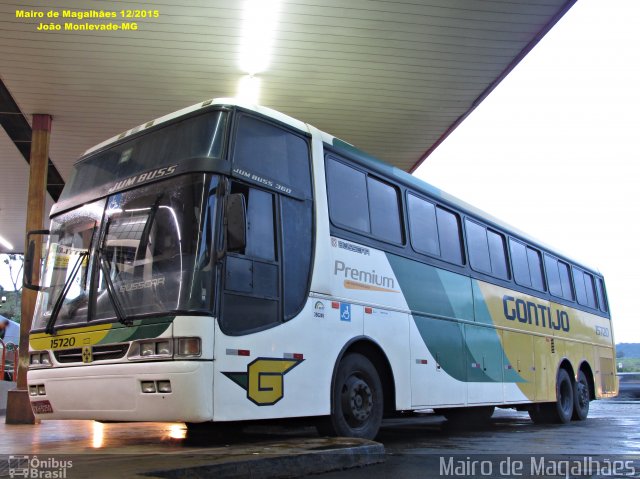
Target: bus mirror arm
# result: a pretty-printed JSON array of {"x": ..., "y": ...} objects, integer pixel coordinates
[
  {"x": 30, "y": 258},
  {"x": 235, "y": 223}
]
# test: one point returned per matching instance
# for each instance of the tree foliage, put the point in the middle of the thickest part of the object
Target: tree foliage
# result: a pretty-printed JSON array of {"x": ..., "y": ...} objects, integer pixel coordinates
[
  {"x": 15, "y": 271},
  {"x": 12, "y": 309}
]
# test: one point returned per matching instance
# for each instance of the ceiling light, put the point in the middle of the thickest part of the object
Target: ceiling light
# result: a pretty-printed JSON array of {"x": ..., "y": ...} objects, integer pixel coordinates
[
  {"x": 249, "y": 89},
  {"x": 259, "y": 24},
  {"x": 5, "y": 243}
]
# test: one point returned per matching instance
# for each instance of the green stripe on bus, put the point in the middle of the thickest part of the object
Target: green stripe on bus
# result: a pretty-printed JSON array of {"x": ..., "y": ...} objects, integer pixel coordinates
[
  {"x": 431, "y": 291},
  {"x": 142, "y": 329}
]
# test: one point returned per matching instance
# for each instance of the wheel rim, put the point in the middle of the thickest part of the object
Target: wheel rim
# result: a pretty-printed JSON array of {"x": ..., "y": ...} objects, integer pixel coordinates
[
  {"x": 583, "y": 395},
  {"x": 357, "y": 401},
  {"x": 566, "y": 400}
]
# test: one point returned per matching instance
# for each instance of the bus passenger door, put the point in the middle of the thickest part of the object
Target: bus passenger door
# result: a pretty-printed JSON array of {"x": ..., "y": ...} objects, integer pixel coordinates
[
  {"x": 519, "y": 367},
  {"x": 251, "y": 294}
]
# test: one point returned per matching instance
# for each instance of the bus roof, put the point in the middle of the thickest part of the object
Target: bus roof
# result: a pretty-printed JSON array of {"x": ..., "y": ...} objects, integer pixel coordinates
[
  {"x": 354, "y": 153},
  {"x": 263, "y": 110}
]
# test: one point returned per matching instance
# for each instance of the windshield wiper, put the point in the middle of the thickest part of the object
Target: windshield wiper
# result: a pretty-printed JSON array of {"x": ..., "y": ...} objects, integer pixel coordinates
[
  {"x": 65, "y": 289},
  {"x": 111, "y": 291},
  {"x": 67, "y": 284}
]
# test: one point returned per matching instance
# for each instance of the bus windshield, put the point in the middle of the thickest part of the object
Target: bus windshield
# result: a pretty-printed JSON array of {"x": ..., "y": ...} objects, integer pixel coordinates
[
  {"x": 199, "y": 136},
  {"x": 150, "y": 254}
]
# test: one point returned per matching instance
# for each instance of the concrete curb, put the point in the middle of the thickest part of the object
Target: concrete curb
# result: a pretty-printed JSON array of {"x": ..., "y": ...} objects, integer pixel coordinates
[{"x": 282, "y": 466}]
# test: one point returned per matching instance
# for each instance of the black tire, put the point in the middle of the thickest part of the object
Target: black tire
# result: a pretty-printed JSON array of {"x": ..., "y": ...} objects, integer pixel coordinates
[
  {"x": 564, "y": 397},
  {"x": 356, "y": 400},
  {"x": 560, "y": 411},
  {"x": 581, "y": 398},
  {"x": 468, "y": 416}
]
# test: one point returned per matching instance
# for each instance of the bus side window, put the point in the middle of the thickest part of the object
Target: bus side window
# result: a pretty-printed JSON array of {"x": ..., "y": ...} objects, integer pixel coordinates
[
  {"x": 591, "y": 290},
  {"x": 527, "y": 265},
  {"x": 565, "y": 280},
  {"x": 478, "y": 247},
  {"x": 520, "y": 263},
  {"x": 272, "y": 152},
  {"x": 261, "y": 241},
  {"x": 498, "y": 254},
  {"x": 585, "y": 289},
  {"x": 553, "y": 277},
  {"x": 535, "y": 268},
  {"x": 487, "y": 250},
  {"x": 384, "y": 210},
  {"x": 602, "y": 296},
  {"x": 450, "y": 236},
  {"x": 297, "y": 241},
  {"x": 348, "y": 200},
  {"x": 423, "y": 228},
  {"x": 578, "y": 281},
  {"x": 558, "y": 277}
]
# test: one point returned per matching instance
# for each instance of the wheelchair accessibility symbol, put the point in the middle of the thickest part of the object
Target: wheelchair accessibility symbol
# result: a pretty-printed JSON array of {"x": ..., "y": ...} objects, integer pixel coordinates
[{"x": 345, "y": 312}]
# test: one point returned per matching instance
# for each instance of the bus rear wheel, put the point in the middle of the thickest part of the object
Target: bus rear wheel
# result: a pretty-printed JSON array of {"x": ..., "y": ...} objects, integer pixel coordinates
[
  {"x": 581, "y": 398},
  {"x": 560, "y": 411},
  {"x": 357, "y": 400}
]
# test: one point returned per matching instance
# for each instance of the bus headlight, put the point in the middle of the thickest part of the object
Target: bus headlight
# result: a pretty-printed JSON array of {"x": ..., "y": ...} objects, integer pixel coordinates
[
  {"x": 188, "y": 347},
  {"x": 148, "y": 349},
  {"x": 165, "y": 348},
  {"x": 151, "y": 349},
  {"x": 38, "y": 359}
]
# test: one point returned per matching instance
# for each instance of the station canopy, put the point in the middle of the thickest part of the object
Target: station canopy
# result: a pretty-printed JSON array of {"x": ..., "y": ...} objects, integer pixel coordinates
[{"x": 393, "y": 78}]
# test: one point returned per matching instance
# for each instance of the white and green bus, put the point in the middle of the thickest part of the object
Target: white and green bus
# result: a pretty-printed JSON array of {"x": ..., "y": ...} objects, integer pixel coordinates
[{"x": 229, "y": 263}]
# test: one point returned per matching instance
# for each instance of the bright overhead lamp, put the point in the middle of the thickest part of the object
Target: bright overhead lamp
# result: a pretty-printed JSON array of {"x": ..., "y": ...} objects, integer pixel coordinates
[
  {"x": 249, "y": 89},
  {"x": 260, "y": 19},
  {"x": 5, "y": 243}
]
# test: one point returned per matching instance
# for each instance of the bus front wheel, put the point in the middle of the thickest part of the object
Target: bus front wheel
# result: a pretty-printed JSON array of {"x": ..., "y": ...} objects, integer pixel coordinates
[{"x": 357, "y": 400}]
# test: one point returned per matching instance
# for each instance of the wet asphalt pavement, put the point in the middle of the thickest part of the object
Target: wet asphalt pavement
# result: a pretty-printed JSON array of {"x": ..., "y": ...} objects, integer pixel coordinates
[{"x": 417, "y": 446}]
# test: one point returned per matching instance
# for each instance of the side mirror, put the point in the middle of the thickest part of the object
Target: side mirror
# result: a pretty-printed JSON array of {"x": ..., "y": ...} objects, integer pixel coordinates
[
  {"x": 236, "y": 222},
  {"x": 31, "y": 263}
]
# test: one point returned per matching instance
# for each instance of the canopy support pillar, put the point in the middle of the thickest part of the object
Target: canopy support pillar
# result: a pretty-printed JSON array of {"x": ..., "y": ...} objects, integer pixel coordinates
[{"x": 18, "y": 405}]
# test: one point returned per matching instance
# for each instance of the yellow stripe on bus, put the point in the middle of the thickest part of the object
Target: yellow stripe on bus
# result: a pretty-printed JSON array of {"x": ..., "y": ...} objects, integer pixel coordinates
[{"x": 70, "y": 338}]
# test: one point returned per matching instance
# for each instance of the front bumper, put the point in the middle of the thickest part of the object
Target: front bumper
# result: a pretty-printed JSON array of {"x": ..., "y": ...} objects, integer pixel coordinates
[{"x": 112, "y": 392}]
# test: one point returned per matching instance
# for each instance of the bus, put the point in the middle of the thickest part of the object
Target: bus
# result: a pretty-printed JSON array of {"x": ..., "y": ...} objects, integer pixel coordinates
[{"x": 229, "y": 263}]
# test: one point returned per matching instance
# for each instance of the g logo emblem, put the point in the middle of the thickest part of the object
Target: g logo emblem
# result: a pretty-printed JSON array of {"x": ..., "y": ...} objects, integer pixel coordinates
[{"x": 264, "y": 379}]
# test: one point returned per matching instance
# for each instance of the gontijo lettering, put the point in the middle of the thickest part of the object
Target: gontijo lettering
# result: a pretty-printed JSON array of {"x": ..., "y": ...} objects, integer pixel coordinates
[{"x": 533, "y": 313}]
